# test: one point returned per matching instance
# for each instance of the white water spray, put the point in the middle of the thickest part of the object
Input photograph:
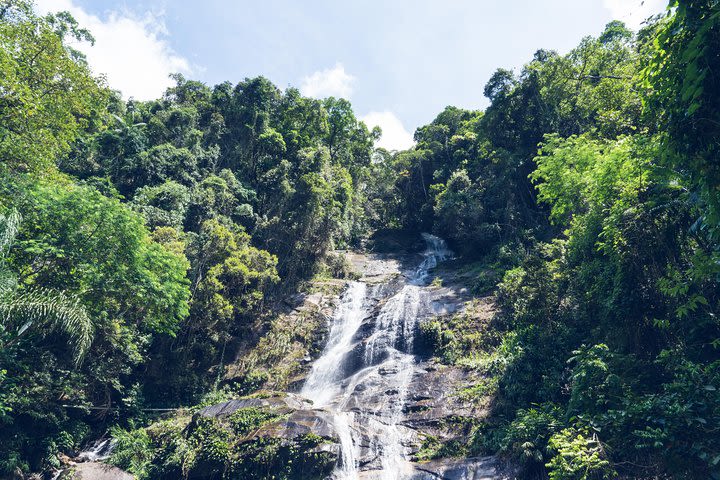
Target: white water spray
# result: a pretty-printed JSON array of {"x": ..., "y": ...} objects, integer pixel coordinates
[
  {"x": 323, "y": 382},
  {"x": 388, "y": 370}
]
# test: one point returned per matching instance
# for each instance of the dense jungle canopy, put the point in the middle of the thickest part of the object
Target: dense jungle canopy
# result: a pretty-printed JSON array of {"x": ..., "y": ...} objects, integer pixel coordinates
[{"x": 142, "y": 243}]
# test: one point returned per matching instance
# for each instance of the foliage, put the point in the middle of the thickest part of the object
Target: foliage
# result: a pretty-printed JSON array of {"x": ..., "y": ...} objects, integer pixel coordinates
[
  {"x": 159, "y": 230},
  {"x": 526, "y": 437},
  {"x": 116, "y": 282},
  {"x": 157, "y": 237},
  {"x": 609, "y": 312},
  {"x": 468, "y": 338},
  {"x": 36, "y": 308},
  {"x": 132, "y": 450},
  {"x": 681, "y": 75},
  {"x": 227, "y": 447},
  {"x": 580, "y": 456},
  {"x": 48, "y": 93},
  {"x": 467, "y": 177},
  {"x": 280, "y": 355}
]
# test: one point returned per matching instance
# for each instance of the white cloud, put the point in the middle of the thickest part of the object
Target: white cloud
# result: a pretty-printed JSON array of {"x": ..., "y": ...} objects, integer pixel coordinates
[
  {"x": 394, "y": 134},
  {"x": 331, "y": 82},
  {"x": 336, "y": 82},
  {"x": 131, "y": 51},
  {"x": 634, "y": 12}
]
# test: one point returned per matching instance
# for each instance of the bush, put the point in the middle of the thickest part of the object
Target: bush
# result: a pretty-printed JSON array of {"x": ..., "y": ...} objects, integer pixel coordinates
[
  {"x": 222, "y": 448},
  {"x": 527, "y": 436},
  {"x": 337, "y": 265},
  {"x": 133, "y": 451},
  {"x": 580, "y": 456}
]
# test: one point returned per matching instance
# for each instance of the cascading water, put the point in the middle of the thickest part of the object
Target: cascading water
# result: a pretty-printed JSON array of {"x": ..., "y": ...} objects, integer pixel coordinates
[
  {"x": 368, "y": 427},
  {"x": 97, "y": 452},
  {"x": 323, "y": 383}
]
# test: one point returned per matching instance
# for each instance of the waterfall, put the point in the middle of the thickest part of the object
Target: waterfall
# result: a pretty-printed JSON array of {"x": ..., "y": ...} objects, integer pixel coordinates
[
  {"x": 322, "y": 383},
  {"x": 368, "y": 405}
]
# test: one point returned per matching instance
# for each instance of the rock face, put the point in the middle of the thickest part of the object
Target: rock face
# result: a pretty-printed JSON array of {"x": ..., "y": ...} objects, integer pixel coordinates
[
  {"x": 281, "y": 357},
  {"x": 486, "y": 468},
  {"x": 344, "y": 389},
  {"x": 365, "y": 401},
  {"x": 299, "y": 418},
  {"x": 382, "y": 399}
]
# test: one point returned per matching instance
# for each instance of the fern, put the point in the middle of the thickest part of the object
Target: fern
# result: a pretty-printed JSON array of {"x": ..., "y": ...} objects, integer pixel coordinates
[
  {"x": 8, "y": 231},
  {"x": 8, "y": 281}
]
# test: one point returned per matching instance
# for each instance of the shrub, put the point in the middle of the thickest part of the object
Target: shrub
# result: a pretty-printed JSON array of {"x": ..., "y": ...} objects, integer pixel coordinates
[
  {"x": 527, "y": 436},
  {"x": 580, "y": 456},
  {"x": 133, "y": 451}
]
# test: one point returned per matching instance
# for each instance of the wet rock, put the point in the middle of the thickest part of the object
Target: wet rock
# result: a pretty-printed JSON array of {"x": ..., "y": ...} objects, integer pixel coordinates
[
  {"x": 414, "y": 408},
  {"x": 393, "y": 397},
  {"x": 353, "y": 361},
  {"x": 283, "y": 404},
  {"x": 301, "y": 423},
  {"x": 97, "y": 452},
  {"x": 387, "y": 370},
  {"x": 376, "y": 269},
  {"x": 480, "y": 468}
]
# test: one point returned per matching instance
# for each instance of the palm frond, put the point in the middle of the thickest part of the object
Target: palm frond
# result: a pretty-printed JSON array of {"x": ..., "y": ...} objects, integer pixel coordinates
[
  {"x": 9, "y": 224},
  {"x": 52, "y": 312},
  {"x": 8, "y": 280},
  {"x": 41, "y": 309}
]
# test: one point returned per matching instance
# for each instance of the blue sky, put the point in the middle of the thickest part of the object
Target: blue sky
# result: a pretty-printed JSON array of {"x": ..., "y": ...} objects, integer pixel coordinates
[{"x": 400, "y": 62}]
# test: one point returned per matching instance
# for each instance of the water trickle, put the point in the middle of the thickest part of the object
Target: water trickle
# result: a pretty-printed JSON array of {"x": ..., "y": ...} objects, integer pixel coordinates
[
  {"x": 347, "y": 465},
  {"x": 99, "y": 451},
  {"x": 368, "y": 404}
]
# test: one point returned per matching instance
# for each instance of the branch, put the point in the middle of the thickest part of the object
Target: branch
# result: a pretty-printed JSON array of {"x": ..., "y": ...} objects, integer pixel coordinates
[{"x": 599, "y": 77}]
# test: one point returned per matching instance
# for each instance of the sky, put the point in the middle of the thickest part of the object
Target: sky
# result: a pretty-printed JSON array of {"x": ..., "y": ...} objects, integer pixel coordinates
[{"x": 400, "y": 62}]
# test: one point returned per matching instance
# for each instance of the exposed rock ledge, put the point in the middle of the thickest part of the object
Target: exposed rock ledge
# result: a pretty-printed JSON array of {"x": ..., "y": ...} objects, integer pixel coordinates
[
  {"x": 97, "y": 471},
  {"x": 300, "y": 418},
  {"x": 483, "y": 468}
]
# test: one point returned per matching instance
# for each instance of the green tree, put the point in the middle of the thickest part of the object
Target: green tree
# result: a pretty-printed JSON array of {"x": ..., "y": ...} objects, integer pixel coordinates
[
  {"x": 684, "y": 92},
  {"x": 37, "y": 309},
  {"x": 48, "y": 93}
]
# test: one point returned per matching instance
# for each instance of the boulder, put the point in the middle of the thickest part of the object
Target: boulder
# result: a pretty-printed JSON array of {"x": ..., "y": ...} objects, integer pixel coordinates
[
  {"x": 97, "y": 471},
  {"x": 300, "y": 418}
]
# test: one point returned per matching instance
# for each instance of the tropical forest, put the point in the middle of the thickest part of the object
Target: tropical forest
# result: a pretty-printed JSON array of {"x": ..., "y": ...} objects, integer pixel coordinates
[{"x": 235, "y": 281}]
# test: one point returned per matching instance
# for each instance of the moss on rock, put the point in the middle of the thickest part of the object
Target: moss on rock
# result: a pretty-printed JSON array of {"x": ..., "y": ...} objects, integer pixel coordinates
[{"x": 224, "y": 446}]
